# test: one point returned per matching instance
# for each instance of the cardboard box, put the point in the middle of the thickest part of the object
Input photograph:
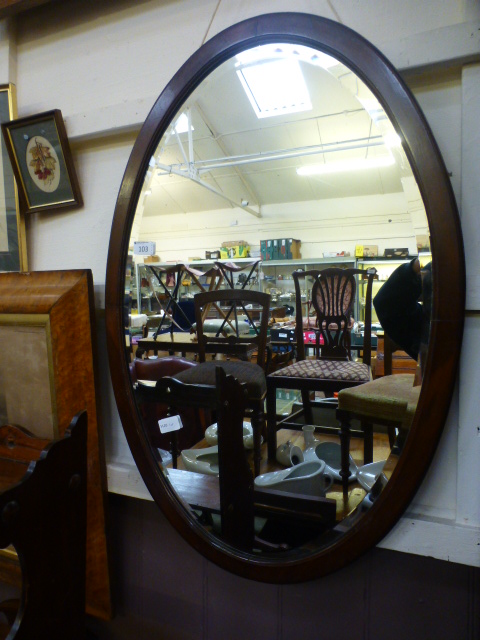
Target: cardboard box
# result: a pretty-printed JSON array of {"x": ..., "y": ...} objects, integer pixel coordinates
[
  {"x": 212, "y": 255},
  {"x": 366, "y": 251},
  {"x": 235, "y": 251},
  {"x": 149, "y": 259},
  {"x": 336, "y": 254},
  {"x": 310, "y": 337},
  {"x": 423, "y": 243}
]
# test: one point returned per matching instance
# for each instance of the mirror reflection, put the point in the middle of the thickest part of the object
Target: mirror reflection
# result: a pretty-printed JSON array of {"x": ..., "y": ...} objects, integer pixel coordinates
[{"x": 274, "y": 302}]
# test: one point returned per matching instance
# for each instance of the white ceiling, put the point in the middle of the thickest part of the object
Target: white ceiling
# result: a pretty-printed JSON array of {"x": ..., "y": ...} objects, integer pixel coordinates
[{"x": 225, "y": 125}]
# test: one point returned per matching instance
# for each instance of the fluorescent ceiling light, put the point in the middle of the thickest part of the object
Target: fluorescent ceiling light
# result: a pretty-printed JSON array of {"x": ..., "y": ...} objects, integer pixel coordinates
[
  {"x": 181, "y": 125},
  {"x": 357, "y": 164},
  {"x": 275, "y": 88}
]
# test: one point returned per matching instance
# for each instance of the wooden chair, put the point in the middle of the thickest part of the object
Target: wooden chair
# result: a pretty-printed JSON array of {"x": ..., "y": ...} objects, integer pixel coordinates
[
  {"x": 240, "y": 502},
  {"x": 194, "y": 420},
  {"x": 196, "y": 387},
  {"x": 43, "y": 515},
  {"x": 390, "y": 401},
  {"x": 332, "y": 369}
]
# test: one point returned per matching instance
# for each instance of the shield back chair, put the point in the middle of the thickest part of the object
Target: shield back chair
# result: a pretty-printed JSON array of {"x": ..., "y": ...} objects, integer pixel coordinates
[
  {"x": 196, "y": 386},
  {"x": 332, "y": 369}
]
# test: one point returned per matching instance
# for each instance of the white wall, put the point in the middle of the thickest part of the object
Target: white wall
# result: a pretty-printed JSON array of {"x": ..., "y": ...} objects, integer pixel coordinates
[
  {"x": 104, "y": 64},
  {"x": 323, "y": 225}
]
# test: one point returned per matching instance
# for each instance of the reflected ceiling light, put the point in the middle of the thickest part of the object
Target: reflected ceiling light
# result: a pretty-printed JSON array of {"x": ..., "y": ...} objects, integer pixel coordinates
[
  {"x": 181, "y": 125},
  {"x": 357, "y": 164},
  {"x": 275, "y": 88}
]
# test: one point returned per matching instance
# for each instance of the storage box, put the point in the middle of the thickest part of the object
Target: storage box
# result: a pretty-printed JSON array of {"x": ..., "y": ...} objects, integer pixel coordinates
[
  {"x": 235, "y": 251},
  {"x": 149, "y": 259},
  {"x": 212, "y": 255},
  {"x": 310, "y": 337},
  {"x": 395, "y": 253},
  {"x": 423, "y": 243},
  {"x": 282, "y": 335},
  {"x": 269, "y": 249},
  {"x": 275, "y": 254},
  {"x": 289, "y": 249},
  {"x": 263, "y": 250},
  {"x": 336, "y": 254},
  {"x": 366, "y": 251}
]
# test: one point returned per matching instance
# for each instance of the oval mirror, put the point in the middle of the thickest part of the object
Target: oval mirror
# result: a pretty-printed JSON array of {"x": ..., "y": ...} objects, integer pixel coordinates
[{"x": 285, "y": 126}]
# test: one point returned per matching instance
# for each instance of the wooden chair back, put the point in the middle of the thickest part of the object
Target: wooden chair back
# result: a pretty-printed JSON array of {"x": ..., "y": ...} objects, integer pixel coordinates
[
  {"x": 43, "y": 515},
  {"x": 332, "y": 297},
  {"x": 235, "y": 300}
]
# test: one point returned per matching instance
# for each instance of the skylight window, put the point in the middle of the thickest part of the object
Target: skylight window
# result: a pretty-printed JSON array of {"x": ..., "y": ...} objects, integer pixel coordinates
[
  {"x": 181, "y": 125},
  {"x": 275, "y": 88}
]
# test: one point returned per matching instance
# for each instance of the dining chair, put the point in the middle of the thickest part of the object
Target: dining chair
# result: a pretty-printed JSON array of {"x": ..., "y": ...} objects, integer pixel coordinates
[
  {"x": 196, "y": 386},
  {"x": 390, "y": 401},
  {"x": 143, "y": 371},
  {"x": 43, "y": 516},
  {"x": 329, "y": 313}
]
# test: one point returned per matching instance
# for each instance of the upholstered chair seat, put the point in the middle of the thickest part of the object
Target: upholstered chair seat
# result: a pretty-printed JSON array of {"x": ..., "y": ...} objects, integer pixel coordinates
[{"x": 252, "y": 375}]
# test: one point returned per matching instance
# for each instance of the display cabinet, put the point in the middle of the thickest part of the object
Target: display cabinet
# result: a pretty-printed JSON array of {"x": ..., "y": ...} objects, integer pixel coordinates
[
  {"x": 275, "y": 277},
  {"x": 146, "y": 293}
]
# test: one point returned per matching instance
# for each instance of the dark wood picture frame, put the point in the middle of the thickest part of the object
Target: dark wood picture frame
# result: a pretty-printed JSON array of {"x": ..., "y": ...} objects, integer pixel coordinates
[{"x": 42, "y": 162}]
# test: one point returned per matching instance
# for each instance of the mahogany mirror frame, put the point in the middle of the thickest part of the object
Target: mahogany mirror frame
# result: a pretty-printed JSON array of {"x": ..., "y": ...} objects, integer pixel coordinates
[{"x": 448, "y": 290}]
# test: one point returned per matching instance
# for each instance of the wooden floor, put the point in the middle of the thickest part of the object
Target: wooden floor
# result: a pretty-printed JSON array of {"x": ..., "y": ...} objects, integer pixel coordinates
[{"x": 381, "y": 451}]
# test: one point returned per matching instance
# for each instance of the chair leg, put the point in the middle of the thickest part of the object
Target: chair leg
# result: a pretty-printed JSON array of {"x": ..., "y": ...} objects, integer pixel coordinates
[
  {"x": 392, "y": 436},
  {"x": 258, "y": 422},
  {"x": 367, "y": 428},
  {"x": 271, "y": 421},
  {"x": 307, "y": 407},
  {"x": 345, "y": 449}
]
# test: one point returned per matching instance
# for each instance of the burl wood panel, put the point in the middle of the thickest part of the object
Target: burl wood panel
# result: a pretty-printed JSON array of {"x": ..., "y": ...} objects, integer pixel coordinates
[{"x": 67, "y": 297}]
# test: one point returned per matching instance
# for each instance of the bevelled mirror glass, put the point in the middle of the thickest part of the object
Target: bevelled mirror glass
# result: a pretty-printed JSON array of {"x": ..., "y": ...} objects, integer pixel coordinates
[{"x": 287, "y": 143}]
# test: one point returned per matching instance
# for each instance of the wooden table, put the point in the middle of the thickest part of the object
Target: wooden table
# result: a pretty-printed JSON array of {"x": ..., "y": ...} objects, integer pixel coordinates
[{"x": 188, "y": 343}]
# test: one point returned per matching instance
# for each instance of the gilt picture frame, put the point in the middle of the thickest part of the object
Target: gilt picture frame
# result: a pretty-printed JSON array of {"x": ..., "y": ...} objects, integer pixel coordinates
[
  {"x": 13, "y": 249},
  {"x": 42, "y": 162}
]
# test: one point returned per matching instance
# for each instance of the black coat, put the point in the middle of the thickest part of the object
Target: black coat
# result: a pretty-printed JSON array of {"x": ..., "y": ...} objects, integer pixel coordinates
[{"x": 399, "y": 311}]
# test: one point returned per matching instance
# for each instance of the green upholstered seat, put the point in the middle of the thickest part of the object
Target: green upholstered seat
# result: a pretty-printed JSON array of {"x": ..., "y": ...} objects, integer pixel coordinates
[{"x": 388, "y": 398}]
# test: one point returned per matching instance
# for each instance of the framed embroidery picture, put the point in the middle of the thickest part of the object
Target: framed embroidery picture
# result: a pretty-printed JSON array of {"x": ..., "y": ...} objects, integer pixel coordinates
[
  {"x": 13, "y": 248},
  {"x": 42, "y": 162}
]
